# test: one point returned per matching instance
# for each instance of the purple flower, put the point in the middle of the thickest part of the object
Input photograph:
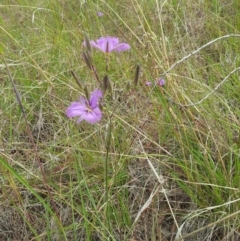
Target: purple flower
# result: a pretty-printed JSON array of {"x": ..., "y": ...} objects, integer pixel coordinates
[
  {"x": 161, "y": 82},
  {"x": 100, "y": 14},
  {"x": 148, "y": 83},
  {"x": 109, "y": 44},
  {"x": 85, "y": 109}
]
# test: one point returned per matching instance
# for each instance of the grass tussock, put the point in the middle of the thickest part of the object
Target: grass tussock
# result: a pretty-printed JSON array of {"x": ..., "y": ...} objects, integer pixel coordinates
[{"x": 163, "y": 164}]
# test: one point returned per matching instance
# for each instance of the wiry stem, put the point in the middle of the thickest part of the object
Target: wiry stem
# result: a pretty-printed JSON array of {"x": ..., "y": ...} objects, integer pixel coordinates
[
  {"x": 211, "y": 92},
  {"x": 195, "y": 52},
  {"x": 199, "y": 49},
  {"x": 32, "y": 140},
  {"x": 108, "y": 143}
]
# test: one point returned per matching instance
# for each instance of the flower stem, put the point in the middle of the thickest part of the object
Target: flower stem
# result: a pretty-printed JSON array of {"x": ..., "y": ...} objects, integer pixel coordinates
[
  {"x": 108, "y": 143},
  {"x": 107, "y": 63}
]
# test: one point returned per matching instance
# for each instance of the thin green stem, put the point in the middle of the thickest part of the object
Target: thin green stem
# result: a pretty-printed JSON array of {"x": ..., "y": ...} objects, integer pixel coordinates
[
  {"x": 107, "y": 63},
  {"x": 108, "y": 143}
]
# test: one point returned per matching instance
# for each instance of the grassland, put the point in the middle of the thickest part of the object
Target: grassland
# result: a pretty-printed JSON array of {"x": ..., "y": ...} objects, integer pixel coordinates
[{"x": 164, "y": 162}]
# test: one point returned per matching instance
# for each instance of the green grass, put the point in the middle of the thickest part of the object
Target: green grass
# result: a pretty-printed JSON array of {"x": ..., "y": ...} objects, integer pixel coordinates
[{"x": 162, "y": 164}]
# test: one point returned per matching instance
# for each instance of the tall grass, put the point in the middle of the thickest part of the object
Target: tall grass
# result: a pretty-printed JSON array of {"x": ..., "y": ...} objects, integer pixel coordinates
[{"x": 172, "y": 152}]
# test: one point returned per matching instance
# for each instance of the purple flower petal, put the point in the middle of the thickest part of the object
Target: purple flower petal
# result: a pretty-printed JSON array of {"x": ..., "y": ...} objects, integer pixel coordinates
[
  {"x": 112, "y": 43},
  {"x": 100, "y": 14},
  {"x": 91, "y": 117},
  {"x": 94, "y": 45},
  {"x": 161, "y": 82},
  {"x": 101, "y": 44},
  {"x": 85, "y": 109},
  {"x": 122, "y": 47},
  {"x": 94, "y": 116},
  {"x": 95, "y": 96},
  {"x": 109, "y": 44},
  {"x": 76, "y": 109},
  {"x": 148, "y": 83}
]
